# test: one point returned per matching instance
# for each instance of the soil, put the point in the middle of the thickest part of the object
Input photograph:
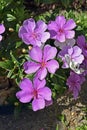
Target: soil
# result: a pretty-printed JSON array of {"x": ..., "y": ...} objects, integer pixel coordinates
[{"x": 65, "y": 112}]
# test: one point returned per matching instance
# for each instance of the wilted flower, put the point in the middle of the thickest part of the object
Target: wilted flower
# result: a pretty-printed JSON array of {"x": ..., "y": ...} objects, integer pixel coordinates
[
  {"x": 34, "y": 33},
  {"x": 74, "y": 82},
  {"x": 43, "y": 60},
  {"x": 36, "y": 91},
  {"x": 60, "y": 29},
  {"x": 68, "y": 42},
  {"x": 2, "y": 29},
  {"x": 72, "y": 57}
]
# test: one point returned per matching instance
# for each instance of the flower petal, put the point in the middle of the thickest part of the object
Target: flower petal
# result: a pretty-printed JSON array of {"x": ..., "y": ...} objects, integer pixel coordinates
[
  {"x": 36, "y": 54},
  {"x": 76, "y": 51},
  {"x": 49, "y": 52},
  {"x": 45, "y": 93},
  {"x": 0, "y": 37},
  {"x": 39, "y": 83},
  {"x": 41, "y": 26},
  {"x": 24, "y": 96},
  {"x": 52, "y": 26},
  {"x": 60, "y": 20},
  {"x": 70, "y": 24},
  {"x": 26, "y": 84},
  {"x": 69, "y": 34},
  {"x": 45, "y": 37},
  {"x": 61, "y": 37},
  {"x": 38, "y": 104},
  {"x": 30, "y": 67},
  {"x": 2, "y": 28},
  {"x": 41, "y": 74},
  {"x": 52, "y": 66},
  {"x": 22, "y": 30}
]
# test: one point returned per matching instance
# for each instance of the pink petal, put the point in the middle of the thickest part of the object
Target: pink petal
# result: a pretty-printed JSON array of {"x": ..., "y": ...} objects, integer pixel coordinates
[
  {"x": 53, "y": 26},
  {"x": 81, "y": 41},
  {"x": 39, "y": 83},
  {"x": 49, "y": 52},
  {"x": 26, "y": 84},
  {"x": 22, "y": 30},
  {"x": 70, "y": 24},
  {"x": 76, "y": 51},
  {"x": 52, "y": 66},
  {"x": 30, "y": 23},
  {"x": 41, "y": 74},
  {"x": 41, "y": 26},
  {"x": 79, "y": 59},
  {"x": 60, "y": 20},
  {"x": 36, "y": 54},
  {"x": 2, "y": 28},
  {"x": 61, "y": 37},
  {"x": 48, "y": 103},
  {"x": 45, "y": 37},
  {"x": 38, "y": 104},
  {"x": 69, "y": 34},
  {"x": 24, "y": 96},
  {"x": 45, "y": 93},
  {"x": 31, "y": 67}
]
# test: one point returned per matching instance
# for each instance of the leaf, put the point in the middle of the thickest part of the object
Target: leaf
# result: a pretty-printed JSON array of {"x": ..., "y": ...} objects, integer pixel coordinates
[
  {"x": 7, "y": 65},
  {"x": 10, "y": 17}
]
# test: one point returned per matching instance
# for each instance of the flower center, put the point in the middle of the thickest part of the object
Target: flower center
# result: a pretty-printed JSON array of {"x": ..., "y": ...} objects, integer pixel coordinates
[
  {"x": 43, "y": 64},
  {"x": 35, "y": 93},
  {"x": 34, "y": 35},
  {"x": 61, "y": 30}
]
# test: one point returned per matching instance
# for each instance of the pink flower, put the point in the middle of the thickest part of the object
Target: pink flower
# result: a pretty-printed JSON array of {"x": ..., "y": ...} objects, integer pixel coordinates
[
  {"x": 60, "y": 29},
  {"x": 2, "y": 29},
  {"x": 36, "y": 91},
  {"x": 43, "y": 60},
  {"x": 34, "y": 33}
]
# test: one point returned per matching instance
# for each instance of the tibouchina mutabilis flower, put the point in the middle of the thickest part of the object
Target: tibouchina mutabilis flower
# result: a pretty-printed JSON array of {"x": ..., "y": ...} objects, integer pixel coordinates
[
  {"x": 2, "y": 29},
  {"x": 74, "y": 83},
  {"x": 43, "y": 60},
  {"x": 81, "y": 42},
  {"x": 36, "y": 92},
  {"x": 72, "y": 57},
  {"x": 34, "y": 33},
  {"x": 60, "y": 29}
]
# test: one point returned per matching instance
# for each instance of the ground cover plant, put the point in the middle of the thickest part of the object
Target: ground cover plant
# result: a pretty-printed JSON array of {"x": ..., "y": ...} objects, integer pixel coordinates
[{"x": 44, "y": 53}]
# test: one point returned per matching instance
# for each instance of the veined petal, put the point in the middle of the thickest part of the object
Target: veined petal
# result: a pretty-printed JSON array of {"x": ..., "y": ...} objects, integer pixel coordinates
[
  {"x": 36, "y": 54},
  {"x": 22, "y": 30},
  {"x": 60, "y": 20},
  {"x": 31, "y": 67},
  {"x": 76, "y": 51},
  {"x": 39, "y": 83},
  {"x": 69, "y": 34},
  {"x": 70, "y": 24},
  {"x": 41, "y": 26},
  {"x": 49, "y": 52},
  {"x": 26, "y": 84},
  {"x": 52, "y": 26},
  {"x": 61, "y": 37},
  {"x": 45, "y": 93},
  {"x": 38, "y": 104},
  {"x": 41, "y": 74},
  {"x": 52, "y": 66},
  {"x": 45, "y": 37},
  {"x": 24, "y": 96}
]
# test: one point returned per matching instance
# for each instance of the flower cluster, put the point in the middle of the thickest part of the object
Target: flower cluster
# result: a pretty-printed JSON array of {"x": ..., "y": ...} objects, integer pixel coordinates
[
  {"x": 44, "y": 59},
  {"x": 2, "y": 29}
]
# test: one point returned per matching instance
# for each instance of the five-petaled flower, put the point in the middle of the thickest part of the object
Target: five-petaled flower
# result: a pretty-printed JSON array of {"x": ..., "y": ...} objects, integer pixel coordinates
[
  {"x": 35, "y": 90},
  {"x": 2, "y": 29},
  {"x": 60, "y": 29},
  {"x": 34, "y": 33},
  {"x": 43, "y": 60}
]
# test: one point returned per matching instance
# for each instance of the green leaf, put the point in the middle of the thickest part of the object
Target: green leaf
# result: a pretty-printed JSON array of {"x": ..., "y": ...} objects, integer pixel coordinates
[
  {"x": 10, "y": 17},
  {"x": 7, "y": 65}
]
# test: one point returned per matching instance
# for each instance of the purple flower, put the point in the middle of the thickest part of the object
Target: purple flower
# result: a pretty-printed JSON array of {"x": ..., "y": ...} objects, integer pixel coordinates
[
  {"x": 2, "y": 29},
  {"x": 60, "y": 29},
  {"x": 68, "y": 42},
  {"x": 42, "y": 61},
  {"x": 82, "y": 44},
  {"x": 36, "y": 91},
  {"x": 74, "y": 82},
  {"x": 71, "y": 57},
  {"x": 34, "y": 33}
]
